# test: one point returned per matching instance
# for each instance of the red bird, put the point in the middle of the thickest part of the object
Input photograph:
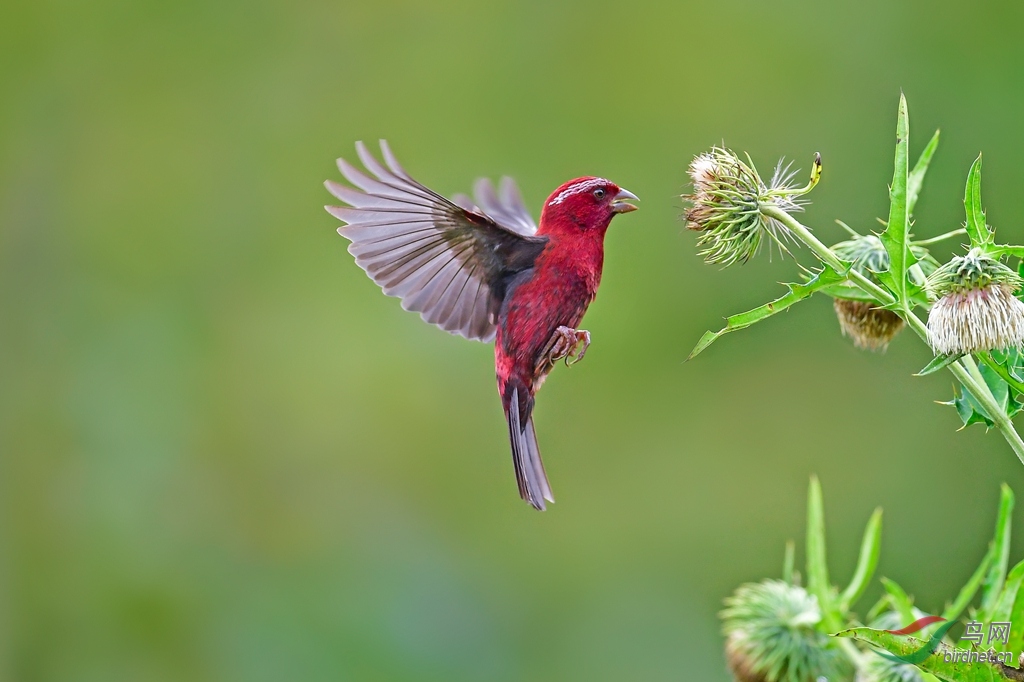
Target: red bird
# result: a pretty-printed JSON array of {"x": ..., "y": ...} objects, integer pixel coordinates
[{"x": 486, "y": 271}]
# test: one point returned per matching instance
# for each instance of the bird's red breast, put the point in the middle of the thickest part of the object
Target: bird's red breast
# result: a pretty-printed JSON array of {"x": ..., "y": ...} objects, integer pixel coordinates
[{"x": 563, "y": 282}]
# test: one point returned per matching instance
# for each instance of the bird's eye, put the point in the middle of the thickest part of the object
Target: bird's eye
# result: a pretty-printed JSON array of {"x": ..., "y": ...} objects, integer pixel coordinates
[{"x": 599, "y": 193}]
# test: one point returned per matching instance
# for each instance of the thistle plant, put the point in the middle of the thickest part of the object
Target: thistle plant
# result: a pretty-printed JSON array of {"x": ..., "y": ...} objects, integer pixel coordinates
[
  {"x": 880, "y": 282},
  {"x": 780, "y": 631}
]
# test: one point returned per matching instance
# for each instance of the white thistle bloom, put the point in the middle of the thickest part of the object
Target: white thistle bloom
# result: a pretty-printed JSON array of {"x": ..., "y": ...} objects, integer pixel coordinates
[
  {"x": 702, "y": 171},
  {"x": 975, "y": 309},
  {"x": 988, "y": 318},
  {"x": 726, "y": 206}
]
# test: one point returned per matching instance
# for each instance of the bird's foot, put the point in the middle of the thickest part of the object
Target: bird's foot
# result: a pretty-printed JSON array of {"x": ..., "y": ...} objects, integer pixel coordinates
[{"x": 570, "y": 344}]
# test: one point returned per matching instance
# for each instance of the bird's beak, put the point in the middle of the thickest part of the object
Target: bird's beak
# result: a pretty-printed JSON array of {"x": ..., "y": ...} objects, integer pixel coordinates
[{"x": 620, "y": 204}]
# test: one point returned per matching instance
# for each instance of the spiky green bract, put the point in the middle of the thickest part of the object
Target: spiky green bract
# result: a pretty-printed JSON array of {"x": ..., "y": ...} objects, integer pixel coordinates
[
  {"x": 975, "y": 309},
  {"x": 772, "y": 636},
  {"x": 727, "y": 198},
  {"x": 974, "y": 271}
]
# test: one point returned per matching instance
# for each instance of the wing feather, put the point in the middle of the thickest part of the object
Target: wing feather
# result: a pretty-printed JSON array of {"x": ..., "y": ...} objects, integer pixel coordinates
[
  {"x": 447, "y": 260},
  {"x": 505, "y": 204}
]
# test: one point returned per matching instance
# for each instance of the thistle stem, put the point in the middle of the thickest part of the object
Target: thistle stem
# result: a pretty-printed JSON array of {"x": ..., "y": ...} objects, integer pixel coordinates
[
  {"x": 827, "y": 255},
  {"x": 965, "y": 370},
  {"x": 941, "y": 237},
  {"x": 824, "y": 254}
]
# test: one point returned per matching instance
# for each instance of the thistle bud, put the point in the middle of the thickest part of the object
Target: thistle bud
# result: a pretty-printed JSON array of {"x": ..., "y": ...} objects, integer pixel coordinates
[
  {"x": 870, "y": 327},
  {"x": 727, "y": 198},
  {"x": 865, "y": 252},
  {"x": 772, "y": 636},
  {"x": 974, "y": 309}
]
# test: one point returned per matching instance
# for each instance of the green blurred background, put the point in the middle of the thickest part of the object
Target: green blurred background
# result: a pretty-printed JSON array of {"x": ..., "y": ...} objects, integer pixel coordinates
[{"x": 224, "y": 455}]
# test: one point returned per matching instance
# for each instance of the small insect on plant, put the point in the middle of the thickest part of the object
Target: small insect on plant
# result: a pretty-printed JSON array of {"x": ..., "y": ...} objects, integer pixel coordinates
[
  {"x": 975, "y": 323},
  {"x": 783, "y": 631}
]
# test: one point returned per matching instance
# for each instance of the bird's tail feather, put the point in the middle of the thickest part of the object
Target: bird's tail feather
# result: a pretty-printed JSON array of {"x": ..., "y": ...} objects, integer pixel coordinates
[{"x": 530, "y": 474}]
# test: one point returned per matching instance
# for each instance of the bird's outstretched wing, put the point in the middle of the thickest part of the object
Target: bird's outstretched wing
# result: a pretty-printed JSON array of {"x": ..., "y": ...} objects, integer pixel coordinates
[{"x": 447, "y": 260}]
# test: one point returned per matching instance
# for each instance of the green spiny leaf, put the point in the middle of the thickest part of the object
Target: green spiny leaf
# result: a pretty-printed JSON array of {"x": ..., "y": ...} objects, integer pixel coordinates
[
  {"x": 1012, "y": 359},
  {"x": 817, "y": 567},
  {"x": 1008, "y": 364},
  {"x": 996, "y": 575},
  {"x": 906, "y": 647},
  {"x": 870, "y": 547},
  {"x": 818, "y": 582},
  {"x": 846, "y": 290},
  {"x": 1000, "y": 250},
  {"x": 896, "y": 236},
  {"x": 977, "y": 228},
  {"x": 1008, "y": 596},
  {"x": 797, "y": 293},
  {"x": 916, "y": 293},
  {"x": 1016, "y": 641},
  {"x": 939, "y": 362},
  {"x": 968, "y": 408},
  {"x": 916, "y": 177},
  {"x": 971, "y": 410}
]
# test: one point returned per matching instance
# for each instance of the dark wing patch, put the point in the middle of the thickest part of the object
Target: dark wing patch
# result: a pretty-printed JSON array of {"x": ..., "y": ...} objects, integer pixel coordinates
[{"x": 447, "y": 260}]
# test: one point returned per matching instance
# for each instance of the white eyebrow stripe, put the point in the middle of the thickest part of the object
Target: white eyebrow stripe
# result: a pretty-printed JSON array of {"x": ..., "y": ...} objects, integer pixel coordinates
[{"x": 578, "y": 188}]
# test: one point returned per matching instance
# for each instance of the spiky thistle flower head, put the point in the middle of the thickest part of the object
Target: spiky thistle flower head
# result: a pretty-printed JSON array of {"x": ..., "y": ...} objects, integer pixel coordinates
[
  {"x": 772, "y": 636},
  {"x": 974, "y": 307},
  {"x": 865, "y": 252},
  {"x": 728, "y": 195}
]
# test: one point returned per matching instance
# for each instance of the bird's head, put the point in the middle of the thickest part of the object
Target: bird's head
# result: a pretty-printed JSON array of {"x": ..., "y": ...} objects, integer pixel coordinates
[{"x": 585, "y": 204}]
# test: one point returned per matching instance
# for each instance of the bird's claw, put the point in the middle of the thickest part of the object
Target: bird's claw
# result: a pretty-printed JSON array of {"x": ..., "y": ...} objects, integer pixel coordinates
[{"x": 570, "y": 344}]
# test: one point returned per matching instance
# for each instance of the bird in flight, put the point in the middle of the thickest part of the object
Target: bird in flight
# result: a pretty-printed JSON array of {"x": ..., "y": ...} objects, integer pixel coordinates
[{"x": 481, "y": 268}]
